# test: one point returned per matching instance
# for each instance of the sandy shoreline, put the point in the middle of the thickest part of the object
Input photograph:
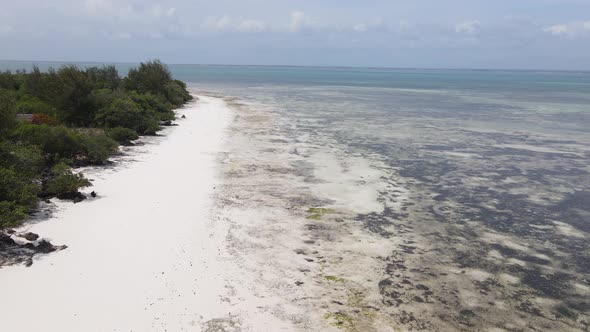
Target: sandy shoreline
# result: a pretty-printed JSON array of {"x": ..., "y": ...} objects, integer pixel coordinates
[
  {"x": 238, "y": 221},
  {"x": 142, "y": 256}
]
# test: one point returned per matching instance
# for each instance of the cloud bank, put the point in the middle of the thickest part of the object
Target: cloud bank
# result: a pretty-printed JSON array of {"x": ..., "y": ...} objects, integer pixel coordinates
[{"x": 458, "y": 33}]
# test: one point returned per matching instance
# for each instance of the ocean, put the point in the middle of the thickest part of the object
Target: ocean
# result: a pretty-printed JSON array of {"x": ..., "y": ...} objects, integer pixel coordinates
[{"x": 465, "y": 193}]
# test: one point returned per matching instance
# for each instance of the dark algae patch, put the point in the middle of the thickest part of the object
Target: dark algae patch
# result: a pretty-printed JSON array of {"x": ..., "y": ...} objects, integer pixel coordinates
[{"x": 494, "y": 232}]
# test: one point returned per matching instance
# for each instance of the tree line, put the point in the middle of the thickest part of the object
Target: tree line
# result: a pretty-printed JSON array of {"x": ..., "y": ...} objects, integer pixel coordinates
[{"x": 51, "y": 121}]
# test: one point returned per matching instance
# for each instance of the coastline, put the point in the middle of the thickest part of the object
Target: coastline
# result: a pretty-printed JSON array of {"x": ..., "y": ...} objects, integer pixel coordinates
[
  {"x": 136, "y": 250},
  {"x": 292, "y": 232}
]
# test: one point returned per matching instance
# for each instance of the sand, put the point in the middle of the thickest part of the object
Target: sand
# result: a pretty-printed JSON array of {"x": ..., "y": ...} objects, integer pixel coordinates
[{"x": 145, "y": 255}]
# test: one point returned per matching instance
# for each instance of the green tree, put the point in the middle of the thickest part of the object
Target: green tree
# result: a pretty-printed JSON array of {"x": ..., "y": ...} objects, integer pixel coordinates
[
  {"x": 106, "y": 77},
  {"x": 8, "y": 119},
  {"x": 150, "y": 76},
  {"x": 73, "y": 101}
]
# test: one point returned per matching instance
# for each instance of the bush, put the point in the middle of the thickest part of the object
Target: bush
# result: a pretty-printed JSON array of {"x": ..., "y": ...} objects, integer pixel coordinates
[
  {"x": 26, "y": 160},
  {"x": 15, "y": 188},
  {"x": 31, "y": 105},
  {"x": 56, "y": 142},
  {"x": 8, "y": 119},
  {"x": 124, "y": 112},
  {"x": 122, "y": 135},
  {"x": 98, "y": 148},
  {"x": 64, "y": 183},
  {"x": 11, "y": 214},
  {"x": 158, "y": 104}
]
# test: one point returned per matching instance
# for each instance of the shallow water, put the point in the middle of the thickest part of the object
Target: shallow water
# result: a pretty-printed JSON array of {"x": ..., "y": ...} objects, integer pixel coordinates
[{"x": 445, "y": 208}]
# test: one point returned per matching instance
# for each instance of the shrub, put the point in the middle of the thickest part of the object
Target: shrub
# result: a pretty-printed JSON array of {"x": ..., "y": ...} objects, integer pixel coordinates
[
  {"x": 56, "y": 142},
  {"x": 64, "y": 183},
  {"x": 11, "y": 214},
  {"x": 156, "y": 103},
  {"x": 26, "y": 160},
  {"x": 124, "y": 112},
  {"x": 15, "y": 188},
  {"x": 32, "y": 105},
  {"x": 98, "y": 148},
  {"x": 104, "y": 97},
  {"x": 122, "y": 135}
]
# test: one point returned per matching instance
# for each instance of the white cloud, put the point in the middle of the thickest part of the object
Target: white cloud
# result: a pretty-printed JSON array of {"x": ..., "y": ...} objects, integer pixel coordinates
[
  {"x": 6, "y": 29},
  {"x": 570, "y": 30},
  {"x": 227, "y": 23},
  {"x": 251, "y": 26},
  {"x": 374, "y": 24},
  {"x": 127, "y": 12},
  {"x": 116, "y": 35},
  {"x": 468, "y": 27},
  {"x": 361, "y": 27},
  {"x": 299, "y": 21}
]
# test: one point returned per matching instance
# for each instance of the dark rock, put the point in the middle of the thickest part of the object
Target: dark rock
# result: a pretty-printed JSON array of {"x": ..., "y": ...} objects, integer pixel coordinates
[
  {"x": 167, "y": 123},
  {"x": 30, "y": 236},
  {"x": 184, "y": 116},
  {"x": 10, "y": 231},
  {"x": 45, "y": 247},
  {"x": 93, "y": 194},
  {"x": 299, "y": 283},
  {"x": 5, "y": 240},
  {"x": 75, "y": 196},
  {"x": 422, "y": 287}
]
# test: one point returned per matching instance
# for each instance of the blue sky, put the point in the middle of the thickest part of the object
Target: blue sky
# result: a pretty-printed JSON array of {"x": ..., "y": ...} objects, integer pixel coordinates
[{"x": 525, "y": 34}]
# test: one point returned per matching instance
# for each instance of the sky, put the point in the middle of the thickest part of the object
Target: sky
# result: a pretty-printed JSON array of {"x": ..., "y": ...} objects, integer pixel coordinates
[{"x": 494, "y": 34}]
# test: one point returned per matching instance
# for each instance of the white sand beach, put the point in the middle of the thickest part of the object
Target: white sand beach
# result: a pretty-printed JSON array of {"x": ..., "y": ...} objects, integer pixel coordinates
[{"x": 142, "y": 256}]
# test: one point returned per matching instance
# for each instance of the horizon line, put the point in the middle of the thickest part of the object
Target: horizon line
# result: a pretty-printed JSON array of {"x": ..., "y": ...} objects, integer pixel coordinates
[{"x": 303, "y": 66}]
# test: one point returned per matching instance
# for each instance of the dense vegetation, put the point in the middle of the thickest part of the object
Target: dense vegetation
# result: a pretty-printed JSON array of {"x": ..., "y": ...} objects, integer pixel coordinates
[{"x": 75, "y": 117}]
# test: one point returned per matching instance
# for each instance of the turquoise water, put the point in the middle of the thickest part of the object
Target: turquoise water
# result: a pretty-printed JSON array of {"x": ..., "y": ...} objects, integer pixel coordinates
[{"x": 482, "y": 80}]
